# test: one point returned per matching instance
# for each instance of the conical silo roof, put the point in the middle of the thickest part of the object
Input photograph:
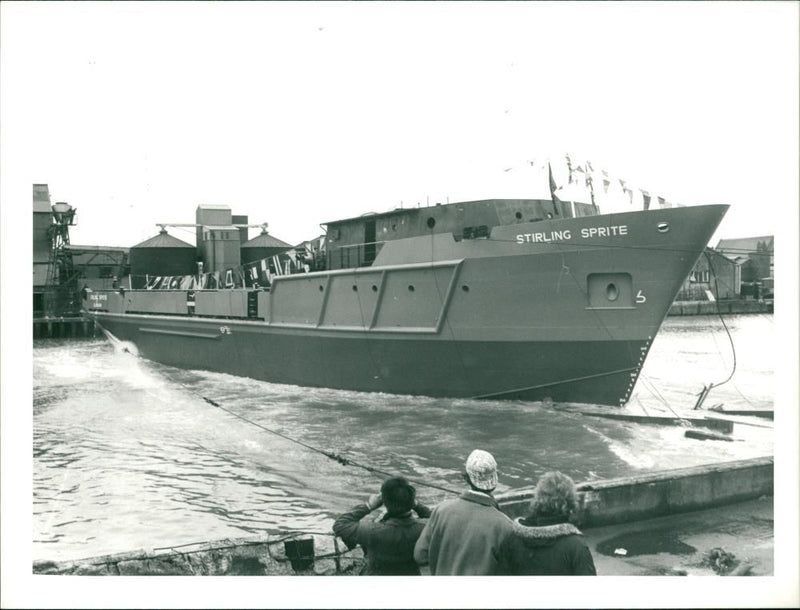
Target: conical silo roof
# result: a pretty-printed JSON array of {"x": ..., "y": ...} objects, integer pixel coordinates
[
  {"x": 265, "y": 240},
  {"x": 163, "y": 240}
]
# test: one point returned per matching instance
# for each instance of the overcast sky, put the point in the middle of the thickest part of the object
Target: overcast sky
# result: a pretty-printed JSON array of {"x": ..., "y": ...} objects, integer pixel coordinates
[{"x": 297, "y": 114}]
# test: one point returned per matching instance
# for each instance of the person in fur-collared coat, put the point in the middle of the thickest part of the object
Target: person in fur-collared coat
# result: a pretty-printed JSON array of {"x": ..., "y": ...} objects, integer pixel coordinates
[{"x": 545, "y": 543}]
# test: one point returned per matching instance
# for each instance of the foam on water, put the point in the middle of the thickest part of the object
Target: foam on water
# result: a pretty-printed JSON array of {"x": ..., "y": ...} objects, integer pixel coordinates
[{"x": 128, "y": 455}]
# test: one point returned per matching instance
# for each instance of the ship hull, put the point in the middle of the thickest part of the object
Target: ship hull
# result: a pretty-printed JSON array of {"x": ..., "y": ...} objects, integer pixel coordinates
[
  {"x": 577, "y": 371},
  {"x": 568, "y": 316}
]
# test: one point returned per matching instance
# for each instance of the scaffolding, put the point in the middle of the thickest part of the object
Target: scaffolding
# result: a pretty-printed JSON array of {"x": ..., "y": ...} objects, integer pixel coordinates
[{"x": 61, "y": 290}]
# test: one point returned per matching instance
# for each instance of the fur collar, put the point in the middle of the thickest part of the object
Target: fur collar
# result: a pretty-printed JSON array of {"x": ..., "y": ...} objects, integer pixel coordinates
[
  {"x": 479, "y": 498},
  {"x": 544, "y": 533}
]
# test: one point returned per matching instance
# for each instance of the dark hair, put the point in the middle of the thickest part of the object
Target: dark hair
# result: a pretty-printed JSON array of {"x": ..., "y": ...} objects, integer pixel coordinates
[{"x": 398, "y": 495}]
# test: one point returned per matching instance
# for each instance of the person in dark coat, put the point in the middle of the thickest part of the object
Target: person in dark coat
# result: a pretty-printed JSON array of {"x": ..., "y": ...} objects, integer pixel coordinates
[
  {"x": 388, "y": 542},
  {"x": 545, "y": 543}
]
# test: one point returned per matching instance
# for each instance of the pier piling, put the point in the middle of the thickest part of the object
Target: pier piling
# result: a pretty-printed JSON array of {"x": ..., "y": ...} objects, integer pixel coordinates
[{"x": 64, "y": 328}]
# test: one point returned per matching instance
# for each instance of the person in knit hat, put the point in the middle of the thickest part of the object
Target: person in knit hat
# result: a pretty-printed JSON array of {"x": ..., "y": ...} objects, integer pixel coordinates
[{"x": 463, "y": 536}]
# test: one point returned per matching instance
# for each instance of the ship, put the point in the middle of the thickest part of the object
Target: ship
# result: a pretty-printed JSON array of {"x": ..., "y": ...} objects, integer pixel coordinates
[{"x": 509, "y": 299}]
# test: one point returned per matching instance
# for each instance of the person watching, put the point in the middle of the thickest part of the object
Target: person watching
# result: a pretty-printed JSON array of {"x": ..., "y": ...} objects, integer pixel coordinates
[
  {"x": 388, "y": 542},
  {"x": 545, "y": 542},
  {"x": 463, "y": 536}
]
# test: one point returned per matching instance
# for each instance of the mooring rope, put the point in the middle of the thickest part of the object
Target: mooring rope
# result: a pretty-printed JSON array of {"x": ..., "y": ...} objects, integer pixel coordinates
[
  {"x": 721, "y": 319},
  {"x": 344, "y": 461}
]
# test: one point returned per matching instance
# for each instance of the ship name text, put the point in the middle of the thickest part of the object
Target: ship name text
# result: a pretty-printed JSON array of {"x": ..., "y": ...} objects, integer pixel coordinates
[{"x": 586, "y": 233}]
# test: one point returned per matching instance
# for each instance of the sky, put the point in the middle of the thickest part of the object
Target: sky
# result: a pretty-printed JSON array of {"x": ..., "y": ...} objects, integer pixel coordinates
[{"x": 300, "y": 113}]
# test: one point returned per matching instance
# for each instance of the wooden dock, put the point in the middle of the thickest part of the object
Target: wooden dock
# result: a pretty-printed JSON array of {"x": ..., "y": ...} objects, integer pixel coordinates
[{"x": 64, "y": 328}]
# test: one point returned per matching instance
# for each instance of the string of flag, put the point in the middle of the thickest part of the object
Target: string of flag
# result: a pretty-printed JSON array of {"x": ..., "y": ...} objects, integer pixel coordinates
[
  {"x": 260, "y": 273},
  {"x": 583, "y": 175}
]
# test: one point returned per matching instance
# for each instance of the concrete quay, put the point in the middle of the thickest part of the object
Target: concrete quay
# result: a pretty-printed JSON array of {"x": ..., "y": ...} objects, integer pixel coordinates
[
  {"x": 732, "y": 540},
  {"x": 657, "y": 494},
  {"x": 715, "y": 519},
  {"x": 708, "y": 308}
]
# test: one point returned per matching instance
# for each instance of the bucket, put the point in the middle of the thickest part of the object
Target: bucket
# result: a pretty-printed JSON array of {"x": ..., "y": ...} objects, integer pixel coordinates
[{"x": 300, "y": 552}]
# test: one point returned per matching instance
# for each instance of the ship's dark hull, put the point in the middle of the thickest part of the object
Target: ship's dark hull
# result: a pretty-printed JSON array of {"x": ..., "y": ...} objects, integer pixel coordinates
[
  {"x": 578, "y": 371},
  {"x": 501, "y": 318}
]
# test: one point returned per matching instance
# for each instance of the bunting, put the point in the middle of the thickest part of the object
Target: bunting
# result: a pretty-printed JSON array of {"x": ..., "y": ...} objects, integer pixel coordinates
[
  {"x": 646, "y": 199},
  {"x": 584, "y": 174},
  {"x": 629, "y": 193},
  {"x": 276, "y": 265}
]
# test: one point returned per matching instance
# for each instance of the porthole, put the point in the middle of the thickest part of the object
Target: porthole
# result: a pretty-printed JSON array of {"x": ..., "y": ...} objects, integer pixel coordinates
[
  {"x": 374, "y": 288},
  {"x": 321, "y": 289},
  {"x": 411, "y": 287},
  {"x": 612, "y": 292},
  {"x": 465, "y": 288},
  {"x": 518, "y": 215},
  {"x": 355, "y": 287},
  {"x": 431, "y": 222},
  {"x": 663, "y": 227}
]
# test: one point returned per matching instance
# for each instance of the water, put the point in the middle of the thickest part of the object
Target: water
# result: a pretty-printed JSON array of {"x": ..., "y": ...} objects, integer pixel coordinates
[{"x": 127, "y": 454}]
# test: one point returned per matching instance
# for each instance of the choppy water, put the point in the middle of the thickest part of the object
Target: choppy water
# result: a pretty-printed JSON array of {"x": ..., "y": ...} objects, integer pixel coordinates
[{"x": 127, "y": 455}]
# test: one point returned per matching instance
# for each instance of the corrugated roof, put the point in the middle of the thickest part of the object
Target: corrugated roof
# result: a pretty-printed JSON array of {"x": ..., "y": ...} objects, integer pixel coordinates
[
  {"x": 163, "y": 240},
  {"x": 76, "y": 248},
  {"x": 265, "y": 240},
  {"x": 746, "y": 244}
]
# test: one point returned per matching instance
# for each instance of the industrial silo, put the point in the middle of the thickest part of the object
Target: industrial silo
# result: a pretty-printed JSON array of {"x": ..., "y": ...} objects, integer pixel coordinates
[
  {"x": 262, "y": 246},
  {"x": 161, "y": 255}
]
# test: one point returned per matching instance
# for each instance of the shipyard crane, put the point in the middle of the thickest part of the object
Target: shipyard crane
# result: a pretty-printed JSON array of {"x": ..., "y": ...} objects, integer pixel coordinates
[{"x": 62, "y": 281}]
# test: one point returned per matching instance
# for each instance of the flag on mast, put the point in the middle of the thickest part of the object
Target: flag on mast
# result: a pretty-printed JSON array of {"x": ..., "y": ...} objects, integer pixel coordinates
[{"x": 553, "y": 188}]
